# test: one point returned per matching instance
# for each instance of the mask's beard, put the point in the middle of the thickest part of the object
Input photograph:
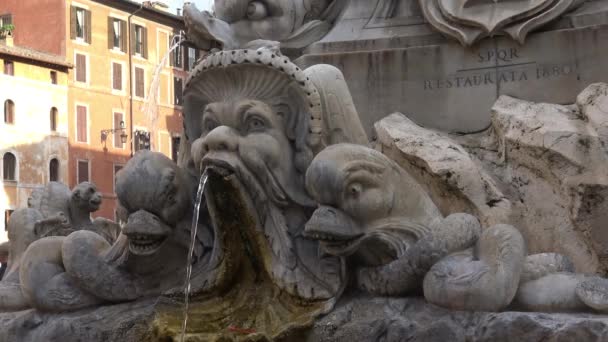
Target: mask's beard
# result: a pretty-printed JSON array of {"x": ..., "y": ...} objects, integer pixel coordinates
[{"x": 268, "y": 198}]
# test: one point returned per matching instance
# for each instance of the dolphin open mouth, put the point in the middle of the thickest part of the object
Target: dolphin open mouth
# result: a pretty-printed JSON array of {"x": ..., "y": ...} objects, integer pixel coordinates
[
  {"x": 146, "y": 233},
  {"x": 145, "y": 244},
  {"x": 337, "y": 245},
  {"x": 336, "y": 232}
]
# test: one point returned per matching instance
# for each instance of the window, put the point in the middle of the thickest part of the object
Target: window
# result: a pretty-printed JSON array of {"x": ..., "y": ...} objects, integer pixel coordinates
[
  {"x": 53, "y": 77},
  {"x": 9, "y": 68},
  {"x": 118, "y": 122},
  {"x": 175, "y": 141},
  {"x": 116, "y": 169},
  {"x": 82, "y": 171},
  {"x": 140, "y": 41},
  {"x": 177, "y": 90},
  {"x": 54, "y": 119},
  {"x": 139, "y": 82},
  {"x": 7, "y": 217},
  {"x": 141, "y": 141},
  {"x": 116, "y": 76},
  {"x": 81, "y": 68},
  {"x": 176, "y": 55},
  {"x": 81, "y": 124},
  {"x": 191, "y": 56},
  {"x": 54, "y": 170},
  {"x": 117, "y": 39},
  {"x": 9, "y": 112},
  {"x": 9, "y": 167},
  {"x": 6, "y": 19},
  {"x": 80, "y": 24}
]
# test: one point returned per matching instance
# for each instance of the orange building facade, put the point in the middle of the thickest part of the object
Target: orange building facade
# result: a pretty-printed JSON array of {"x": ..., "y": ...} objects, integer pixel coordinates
[
  {"x": 106, "y": 94},
  {"x": 115, "y": 47}
]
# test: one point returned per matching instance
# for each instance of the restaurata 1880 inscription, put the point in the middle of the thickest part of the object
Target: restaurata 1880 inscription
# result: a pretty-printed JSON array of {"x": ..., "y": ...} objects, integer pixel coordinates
[{"x": 508, "y": 66}]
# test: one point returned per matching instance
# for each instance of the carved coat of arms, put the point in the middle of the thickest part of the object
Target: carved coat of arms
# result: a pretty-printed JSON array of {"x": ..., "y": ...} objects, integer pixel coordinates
[{"x": 470, "y": 20}]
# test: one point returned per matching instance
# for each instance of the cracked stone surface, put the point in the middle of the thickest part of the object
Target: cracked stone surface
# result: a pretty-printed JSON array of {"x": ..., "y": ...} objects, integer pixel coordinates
[
  {"x": 412, "y": 319},
  {"x": 127, "y": 322},
  {"x": 540, "y": 167}
]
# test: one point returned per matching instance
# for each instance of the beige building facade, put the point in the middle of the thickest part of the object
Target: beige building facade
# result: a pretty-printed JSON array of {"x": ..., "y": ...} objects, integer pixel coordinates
[{"x": 34, "y": 125}]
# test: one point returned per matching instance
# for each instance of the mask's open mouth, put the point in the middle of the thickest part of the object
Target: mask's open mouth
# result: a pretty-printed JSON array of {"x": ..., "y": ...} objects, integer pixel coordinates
[
  {"x": 145, "y": 244},
  {"x": 220, "y": 166}
]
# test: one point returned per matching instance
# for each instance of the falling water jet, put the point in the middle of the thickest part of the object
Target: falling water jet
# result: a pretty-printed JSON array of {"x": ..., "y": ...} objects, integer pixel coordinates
[
  {"x": 193, "y": 231},
  {"x": 150, "y": 107}
]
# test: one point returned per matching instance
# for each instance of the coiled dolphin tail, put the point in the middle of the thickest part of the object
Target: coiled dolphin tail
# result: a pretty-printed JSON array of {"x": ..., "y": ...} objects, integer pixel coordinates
[
  {"x": 483, "y": 279},
  {"x": 84, "y": 258},
  {"x": 404, "y": 275},
  {"x": 548, "y": 284}
]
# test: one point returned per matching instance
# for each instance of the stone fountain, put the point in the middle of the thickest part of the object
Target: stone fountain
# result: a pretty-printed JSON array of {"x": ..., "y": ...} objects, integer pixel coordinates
[{"x": 379, "y": 170}]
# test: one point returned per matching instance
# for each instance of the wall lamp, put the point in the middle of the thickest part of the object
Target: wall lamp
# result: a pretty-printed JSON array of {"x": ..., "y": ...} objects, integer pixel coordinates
[{"x": 123, "y": 135}]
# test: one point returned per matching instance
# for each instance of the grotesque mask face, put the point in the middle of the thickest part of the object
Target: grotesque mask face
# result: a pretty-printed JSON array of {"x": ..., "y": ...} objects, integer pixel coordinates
[{"x": 249, "y": 137}]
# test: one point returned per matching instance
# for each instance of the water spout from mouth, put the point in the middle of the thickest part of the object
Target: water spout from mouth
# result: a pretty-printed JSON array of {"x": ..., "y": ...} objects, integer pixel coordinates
[{"x": 193, "y": 230}]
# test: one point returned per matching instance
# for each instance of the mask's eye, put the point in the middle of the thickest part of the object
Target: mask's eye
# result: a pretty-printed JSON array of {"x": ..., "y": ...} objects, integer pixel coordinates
[
  {"x": 257, "y": 10},
  {"x": 255, "y": 124},
  {"x": 209, "y": 125}
]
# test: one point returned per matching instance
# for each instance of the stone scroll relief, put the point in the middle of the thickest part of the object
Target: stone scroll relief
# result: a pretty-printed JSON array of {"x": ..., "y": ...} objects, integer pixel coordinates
[
  {"x": 468, "y": 21},
  {"x": 294, "y": 23}
]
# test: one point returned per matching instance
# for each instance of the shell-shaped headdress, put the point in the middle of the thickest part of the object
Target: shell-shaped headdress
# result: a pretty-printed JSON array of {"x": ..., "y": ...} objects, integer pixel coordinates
[{"x": 276, "y": 63}]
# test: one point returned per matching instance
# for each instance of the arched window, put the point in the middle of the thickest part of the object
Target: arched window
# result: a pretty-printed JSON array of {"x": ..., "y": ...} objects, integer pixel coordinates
[
  {"x": 54, "y": 170},
  {"x": 9, "y": 112},
  {"x": 53, "y": 119},
  {"x": 9, "y": 167}
]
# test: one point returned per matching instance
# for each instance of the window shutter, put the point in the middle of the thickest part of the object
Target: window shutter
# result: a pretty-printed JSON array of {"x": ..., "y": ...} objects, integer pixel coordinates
[
  {"x": 117, "y": 120},
  {"x": 81, "y": 68},
  {"x": 110, "y": 33},
  {"x": 88, "y": 26},
  {"x": 144, "y": 42},
  {"x": 177, "y": 91},
  {"x": 72, "y": 22},
  {"x": 139, "y": 82},
  {"x": 116, "y": 76},
  {"x": 123, "y": 36},
  {"x": 132, "y": 35},
  {"x": 53, "y": 119},
  {"x": 83, "y": 171},
  {"x": 81, "y": 123}
]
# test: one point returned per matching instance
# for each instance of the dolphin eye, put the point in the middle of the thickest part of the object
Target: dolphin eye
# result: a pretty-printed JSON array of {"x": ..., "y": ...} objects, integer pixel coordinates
[
  {"x": 354, "y": 189},
  {"x": 257, "y": 10}
]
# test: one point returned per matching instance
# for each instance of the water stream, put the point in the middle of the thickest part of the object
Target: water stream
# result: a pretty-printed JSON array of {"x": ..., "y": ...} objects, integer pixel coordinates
[
  {"x": 150, "y": 107},
  {"x": 193, "y": 231}
]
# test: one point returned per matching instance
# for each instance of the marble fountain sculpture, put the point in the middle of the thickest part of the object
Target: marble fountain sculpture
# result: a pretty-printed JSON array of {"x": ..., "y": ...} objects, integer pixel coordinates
[{"x": 317, "y": 222}]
